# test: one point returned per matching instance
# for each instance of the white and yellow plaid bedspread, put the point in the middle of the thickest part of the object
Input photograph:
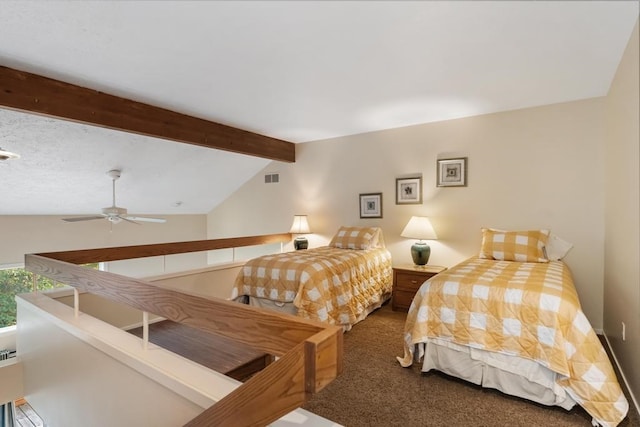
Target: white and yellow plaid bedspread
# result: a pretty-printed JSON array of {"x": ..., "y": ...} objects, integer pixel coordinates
[
  {"x": 326, "y": 284},
  {"x": 529, "y": 310}
]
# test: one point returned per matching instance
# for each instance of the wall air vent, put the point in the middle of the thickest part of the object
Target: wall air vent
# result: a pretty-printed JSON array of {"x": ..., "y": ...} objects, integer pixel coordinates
[{"x": 272, "y": 178}]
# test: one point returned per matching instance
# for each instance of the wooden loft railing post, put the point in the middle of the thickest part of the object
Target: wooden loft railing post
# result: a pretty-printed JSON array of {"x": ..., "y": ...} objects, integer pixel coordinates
[
  {"x": 273, "y": 392},
  {"x": 310, "y": 353},
  {"x": 282, "y": 386}
]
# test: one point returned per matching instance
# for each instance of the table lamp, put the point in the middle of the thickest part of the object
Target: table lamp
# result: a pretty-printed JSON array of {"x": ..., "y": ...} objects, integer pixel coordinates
[
  {"x": 300, "y": 226},
  {"x": 419, "y": 227}
]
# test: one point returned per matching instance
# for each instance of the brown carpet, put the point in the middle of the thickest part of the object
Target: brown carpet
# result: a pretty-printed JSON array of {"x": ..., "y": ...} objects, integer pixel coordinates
[{"x": 374, "y": 390}]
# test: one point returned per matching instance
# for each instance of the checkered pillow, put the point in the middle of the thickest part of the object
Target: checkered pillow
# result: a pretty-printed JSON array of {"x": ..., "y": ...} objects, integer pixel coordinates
[
  {"x": 523, "y": 246},
  {"x": 356, "y": 238}
]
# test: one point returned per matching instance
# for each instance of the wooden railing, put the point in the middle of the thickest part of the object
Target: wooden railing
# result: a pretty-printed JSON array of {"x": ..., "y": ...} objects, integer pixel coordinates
[{"x": 309, "y": 353}]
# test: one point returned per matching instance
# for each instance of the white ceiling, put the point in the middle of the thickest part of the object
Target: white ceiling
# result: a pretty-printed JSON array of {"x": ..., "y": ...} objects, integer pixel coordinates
[{"x": 298, "y": 71}]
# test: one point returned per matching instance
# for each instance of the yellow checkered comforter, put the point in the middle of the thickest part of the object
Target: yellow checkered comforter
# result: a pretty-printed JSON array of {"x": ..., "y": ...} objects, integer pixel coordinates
[
  {"x": 327, "y": 284},
  {"x": 529, "y": 310}
]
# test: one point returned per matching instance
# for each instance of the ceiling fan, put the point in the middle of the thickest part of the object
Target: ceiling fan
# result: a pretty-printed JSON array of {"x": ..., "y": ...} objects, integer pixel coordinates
[{"x": 113, "y": 213}]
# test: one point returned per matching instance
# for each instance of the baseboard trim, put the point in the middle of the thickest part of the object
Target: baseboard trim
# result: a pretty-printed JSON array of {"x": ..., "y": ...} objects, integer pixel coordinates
[{"x": 624, "y": 379}]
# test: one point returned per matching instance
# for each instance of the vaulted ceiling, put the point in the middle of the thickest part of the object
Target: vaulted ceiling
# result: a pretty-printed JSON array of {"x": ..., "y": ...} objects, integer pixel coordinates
[{"x": 296, "y": 71}]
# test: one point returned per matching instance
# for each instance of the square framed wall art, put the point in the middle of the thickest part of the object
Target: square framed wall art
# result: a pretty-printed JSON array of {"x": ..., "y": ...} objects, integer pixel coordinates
[
  {"x": 452, "y": 172},
  {"x": 409, "y": 191},
  {"x": 371, "y": 205}
]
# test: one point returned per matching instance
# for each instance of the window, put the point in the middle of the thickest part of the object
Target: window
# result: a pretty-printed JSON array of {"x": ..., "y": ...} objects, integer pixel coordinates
[{"x": 15, "y": 281}]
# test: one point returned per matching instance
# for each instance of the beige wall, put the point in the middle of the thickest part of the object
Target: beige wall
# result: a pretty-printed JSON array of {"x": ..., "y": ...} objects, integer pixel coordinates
[
  {"x": 210, "y": 282},
  {"x": 33, "y": 234},
  {"x": 528, "y": 169},
  {"x": 622, "y": 216}
]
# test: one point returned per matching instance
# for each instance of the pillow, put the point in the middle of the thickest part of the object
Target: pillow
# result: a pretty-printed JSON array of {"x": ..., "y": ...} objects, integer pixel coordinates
[
  {"x": 357, "y": 238},
  {"x": 557, "y": 248},
  {"x": 523, "y": 246}
]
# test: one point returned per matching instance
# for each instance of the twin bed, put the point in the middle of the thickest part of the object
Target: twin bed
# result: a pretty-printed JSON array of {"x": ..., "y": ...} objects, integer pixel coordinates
[
  {"x": 508, "y": 319},
  {"x": 339, "y": 284}
]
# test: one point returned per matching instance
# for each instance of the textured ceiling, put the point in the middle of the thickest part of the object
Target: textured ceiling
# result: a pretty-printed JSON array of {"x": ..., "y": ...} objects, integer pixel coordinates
[
  {"x": 298, "y": 71},
  {"x": 63, "y": 165}
]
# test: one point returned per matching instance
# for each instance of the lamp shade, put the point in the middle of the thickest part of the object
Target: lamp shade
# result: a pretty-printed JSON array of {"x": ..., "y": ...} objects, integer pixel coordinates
[
  {"x": 419, "y": 227},
  {"x": 300, "y": 225}
]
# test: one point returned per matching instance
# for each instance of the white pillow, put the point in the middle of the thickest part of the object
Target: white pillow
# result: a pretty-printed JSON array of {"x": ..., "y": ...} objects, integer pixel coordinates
[{"x": 557, "y": 248}]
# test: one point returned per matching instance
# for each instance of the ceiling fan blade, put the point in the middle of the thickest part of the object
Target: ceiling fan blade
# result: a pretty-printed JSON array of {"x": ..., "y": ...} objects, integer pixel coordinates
[
  {"x": 113, "y": 213},
  {"x": 145, "y": 219},
  {"x": 82, "y": 218},
  {"x": 129, "y": 219}
]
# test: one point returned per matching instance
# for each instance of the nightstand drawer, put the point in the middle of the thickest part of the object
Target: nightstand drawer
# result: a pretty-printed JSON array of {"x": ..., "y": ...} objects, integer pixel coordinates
[
  {"x": 402, "y": 300},
  {"x": 406, "y": 282},
  {"x": 411, "y": 282}
]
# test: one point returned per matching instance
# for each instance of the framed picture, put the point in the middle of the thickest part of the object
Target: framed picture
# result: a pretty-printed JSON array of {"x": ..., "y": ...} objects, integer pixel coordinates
[
  {"x": 371, "y": 205},
  {"x": 452, "y": 172},
  {"x": 409, "y": 191}
]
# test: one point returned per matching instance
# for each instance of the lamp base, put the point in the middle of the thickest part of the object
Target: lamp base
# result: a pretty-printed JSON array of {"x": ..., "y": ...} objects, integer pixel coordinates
[
  {"x": 420, "y": 253},
  {"x": 300, "y": 243}
]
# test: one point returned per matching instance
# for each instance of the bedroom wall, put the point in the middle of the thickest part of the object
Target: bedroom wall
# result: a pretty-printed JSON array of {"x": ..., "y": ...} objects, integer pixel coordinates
[
  {"x": 532, "y": 168},
  {"x": 33, "y": 234},
  {"x": 622, "y": 223}
]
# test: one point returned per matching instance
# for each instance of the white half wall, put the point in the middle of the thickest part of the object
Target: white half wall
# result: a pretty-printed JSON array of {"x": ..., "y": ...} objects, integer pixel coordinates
[
  {"x": 210, "y": 282},
  {"x": 81, "y": 371},
  {"x": 34, "y": 234}
]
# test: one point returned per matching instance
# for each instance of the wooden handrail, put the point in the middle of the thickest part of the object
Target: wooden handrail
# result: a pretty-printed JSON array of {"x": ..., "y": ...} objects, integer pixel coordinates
[
  {"x": 310, "y": 353},
  {"x": 86, "y": 256}
]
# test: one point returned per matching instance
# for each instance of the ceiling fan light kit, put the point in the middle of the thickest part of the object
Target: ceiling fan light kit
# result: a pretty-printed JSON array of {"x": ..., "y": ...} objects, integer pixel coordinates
[
  {"x": 115, "y": 214},
  {"x": 6, "y": 155}
]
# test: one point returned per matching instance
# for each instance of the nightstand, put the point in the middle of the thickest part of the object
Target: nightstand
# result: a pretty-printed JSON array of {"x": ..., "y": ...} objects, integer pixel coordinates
[{"x": 407, "y": 279}]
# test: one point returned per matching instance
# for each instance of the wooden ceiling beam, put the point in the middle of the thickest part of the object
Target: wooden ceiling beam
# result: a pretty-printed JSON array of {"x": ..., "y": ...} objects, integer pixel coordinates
[{"x": 32, "y": 93}]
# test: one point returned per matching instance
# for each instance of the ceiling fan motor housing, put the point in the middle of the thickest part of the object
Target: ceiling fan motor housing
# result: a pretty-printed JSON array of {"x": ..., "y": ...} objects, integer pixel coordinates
[{"x": 114, "y": 211}]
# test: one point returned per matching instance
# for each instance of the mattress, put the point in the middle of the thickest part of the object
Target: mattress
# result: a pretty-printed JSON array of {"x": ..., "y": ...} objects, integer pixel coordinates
[{"x": 523, "y": 311}]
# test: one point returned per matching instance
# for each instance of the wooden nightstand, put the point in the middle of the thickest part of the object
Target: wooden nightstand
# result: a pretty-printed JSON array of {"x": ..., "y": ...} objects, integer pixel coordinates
[{"x": 407, "y": 279}]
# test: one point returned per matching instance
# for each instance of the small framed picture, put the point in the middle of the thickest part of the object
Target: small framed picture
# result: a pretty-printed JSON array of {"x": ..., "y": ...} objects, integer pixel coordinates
[
  {"x": 409, "y": 191},
  {"x": 452, "y": 172},
  {"x": 371, "y": 205}
]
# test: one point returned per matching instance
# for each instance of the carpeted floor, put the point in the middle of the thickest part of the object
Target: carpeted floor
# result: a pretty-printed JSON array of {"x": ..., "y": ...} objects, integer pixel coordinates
[{"x": 374, "y": 390}]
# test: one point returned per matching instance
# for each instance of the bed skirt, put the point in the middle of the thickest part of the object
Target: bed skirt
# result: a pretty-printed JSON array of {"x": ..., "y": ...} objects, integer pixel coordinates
[
  {"x": 511, "y": 375},
  {"x": 289, "y": 308},
  {"x": 281, "y": 307}
]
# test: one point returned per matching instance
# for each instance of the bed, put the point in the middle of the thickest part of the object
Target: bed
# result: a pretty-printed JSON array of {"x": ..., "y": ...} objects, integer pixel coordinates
[
  {"x": 339, "y": 284},
  {"x": 510, "y": 319}
]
